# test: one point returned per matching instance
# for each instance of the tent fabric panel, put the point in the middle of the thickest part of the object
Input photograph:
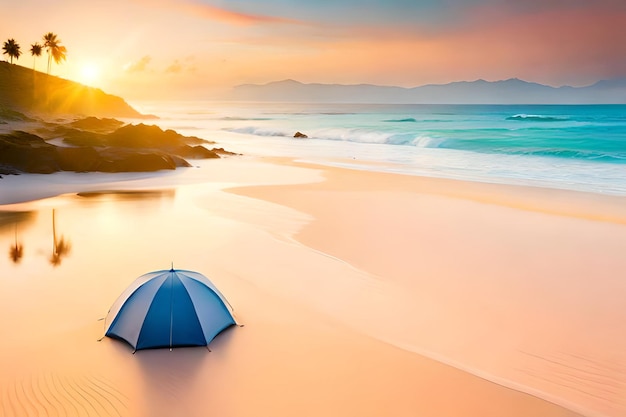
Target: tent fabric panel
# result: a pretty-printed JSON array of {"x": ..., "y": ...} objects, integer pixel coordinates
[
  {"x": 138, "y": 282},
  {"x": 156, "y": 324},
  {"x": 186, "y": 328},
  {"x": 214, "y": 316},
  {"x": 204, "y": 280},
  {"x": 128, "y": 322}
]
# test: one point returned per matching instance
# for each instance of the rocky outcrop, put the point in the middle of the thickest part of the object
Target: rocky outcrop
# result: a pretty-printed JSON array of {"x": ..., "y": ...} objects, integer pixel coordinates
[
  {"x": 130, "y": 148},
  {"x": 300, "y": 135},
  {"x": 22, "y": 152},
  {"x": 141, "y": 136}
]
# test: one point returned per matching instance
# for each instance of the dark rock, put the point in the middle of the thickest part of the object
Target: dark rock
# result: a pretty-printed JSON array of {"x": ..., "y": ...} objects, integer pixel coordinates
[
  {"x": 124, "y": 160},
  {"x": 300, "y": 135},
  {"x": 180, "y": 162},
  {"x": 81, "y": 159},
  {"x": 149, "y": 136},
  {"x": 94, "y": 124},
  {"x": 76, "y": 137},
  {"x": 196, "y": 152},
  {"x": 25, "y": 152},
  {"x": 222, "y": 151}
]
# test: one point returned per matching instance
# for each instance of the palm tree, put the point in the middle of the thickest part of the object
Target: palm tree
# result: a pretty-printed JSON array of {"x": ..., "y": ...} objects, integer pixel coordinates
[
  {"x": 59, "y": 54},
  {"x": 12, "y": 49},
  {"x": 54, "y": 48},
  {"x": 35, "y": 51}
]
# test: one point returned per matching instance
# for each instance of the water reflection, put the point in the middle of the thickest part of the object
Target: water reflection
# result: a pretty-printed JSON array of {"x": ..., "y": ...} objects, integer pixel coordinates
[
  {"x": 14, "y": 219},
  {"x": 60, "y": 247},
  {"x": 166, "y": 194},
  {"x": 17, "y": 249},
  {"x": 21, "y": 228}
]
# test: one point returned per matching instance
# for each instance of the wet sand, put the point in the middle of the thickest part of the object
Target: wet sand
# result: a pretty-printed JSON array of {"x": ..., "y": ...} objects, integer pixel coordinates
[{"x": 348, "y": 284}]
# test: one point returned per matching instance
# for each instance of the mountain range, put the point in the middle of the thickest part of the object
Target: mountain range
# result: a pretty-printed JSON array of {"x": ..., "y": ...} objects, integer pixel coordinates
[{"x": 511, "y": 91}]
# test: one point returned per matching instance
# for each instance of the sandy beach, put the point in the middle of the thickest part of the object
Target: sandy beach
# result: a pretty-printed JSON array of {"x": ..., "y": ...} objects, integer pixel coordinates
[{"x": 361, "y": 294}]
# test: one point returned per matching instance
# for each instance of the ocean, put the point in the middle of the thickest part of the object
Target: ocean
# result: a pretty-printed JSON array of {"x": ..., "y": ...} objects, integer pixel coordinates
[{"x": 575, "y": 147}]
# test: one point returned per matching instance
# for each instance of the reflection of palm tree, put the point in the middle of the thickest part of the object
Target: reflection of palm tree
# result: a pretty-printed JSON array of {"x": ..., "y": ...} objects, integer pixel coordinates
[
  {"x": 60, "y": 247},
  {"x": 17, "y": 251}
]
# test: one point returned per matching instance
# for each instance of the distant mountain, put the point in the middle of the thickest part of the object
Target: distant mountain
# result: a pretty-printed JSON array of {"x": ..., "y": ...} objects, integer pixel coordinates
[
  {"x": 28, "y": 91},
  {"x": 511, "y": 91}
]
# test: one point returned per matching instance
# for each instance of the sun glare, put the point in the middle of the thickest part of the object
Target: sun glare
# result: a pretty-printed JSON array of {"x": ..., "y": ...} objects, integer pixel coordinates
[{"x": 89, "y": 73}]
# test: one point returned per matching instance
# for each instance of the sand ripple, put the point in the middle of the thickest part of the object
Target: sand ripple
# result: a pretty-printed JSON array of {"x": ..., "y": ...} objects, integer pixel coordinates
[
  {"x": 600, "y": 381},
  {"x": 58, "y": 395}
]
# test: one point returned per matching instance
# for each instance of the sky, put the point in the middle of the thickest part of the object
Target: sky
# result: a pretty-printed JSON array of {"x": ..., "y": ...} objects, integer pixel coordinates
[{"x": 199, "y": 49}]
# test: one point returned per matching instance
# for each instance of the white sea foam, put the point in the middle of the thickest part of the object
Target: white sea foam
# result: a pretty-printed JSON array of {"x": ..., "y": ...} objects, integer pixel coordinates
[
  {"x": 260, "y": 131},
  {"x": 537, "y": 117},
  {"x": 423, "y": 141},
  {"x": 352, "y": 135}
]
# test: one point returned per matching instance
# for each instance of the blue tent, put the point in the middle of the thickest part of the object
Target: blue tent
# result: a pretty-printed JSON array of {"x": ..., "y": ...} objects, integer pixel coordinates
[{"x": 169, "y": 308}]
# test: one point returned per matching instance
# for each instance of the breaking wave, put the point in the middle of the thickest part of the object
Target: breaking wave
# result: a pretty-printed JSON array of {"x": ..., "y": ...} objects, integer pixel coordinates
[
  {"x": 349, "y": 135},
  {"x": 407, "y": 120},
  {"x": 536, "y": 118},
  {"x": 372, "y": 136}
]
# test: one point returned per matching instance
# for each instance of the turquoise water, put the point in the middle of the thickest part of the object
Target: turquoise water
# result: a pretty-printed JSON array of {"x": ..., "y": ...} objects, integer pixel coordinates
[{"x": 580, "y": 147}]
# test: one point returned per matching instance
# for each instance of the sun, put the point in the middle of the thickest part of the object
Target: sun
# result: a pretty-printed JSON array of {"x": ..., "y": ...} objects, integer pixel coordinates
[{"x": 89, "y": 73}]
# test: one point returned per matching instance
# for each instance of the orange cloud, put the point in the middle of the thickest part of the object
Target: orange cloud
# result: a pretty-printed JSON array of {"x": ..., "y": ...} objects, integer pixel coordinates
[
  {"x": 138, "y": 66},
  {"x": 216, "y": 13}
]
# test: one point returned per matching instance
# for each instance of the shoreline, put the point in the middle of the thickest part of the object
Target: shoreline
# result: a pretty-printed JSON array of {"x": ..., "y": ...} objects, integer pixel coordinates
[
  {"x": 557, "y": 201},
  {"x": 316, "y": 191},
  {"x": 607, "y": 208}
]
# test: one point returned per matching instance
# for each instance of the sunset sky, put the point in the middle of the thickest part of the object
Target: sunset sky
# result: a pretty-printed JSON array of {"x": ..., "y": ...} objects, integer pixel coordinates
[{"x": 144, "y": 49}]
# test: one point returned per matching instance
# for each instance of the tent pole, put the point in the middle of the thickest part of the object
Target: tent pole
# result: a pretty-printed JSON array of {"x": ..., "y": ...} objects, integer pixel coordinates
[
  {"x": 171, "y": 308},
  {"x": 103, "y": 320}
]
